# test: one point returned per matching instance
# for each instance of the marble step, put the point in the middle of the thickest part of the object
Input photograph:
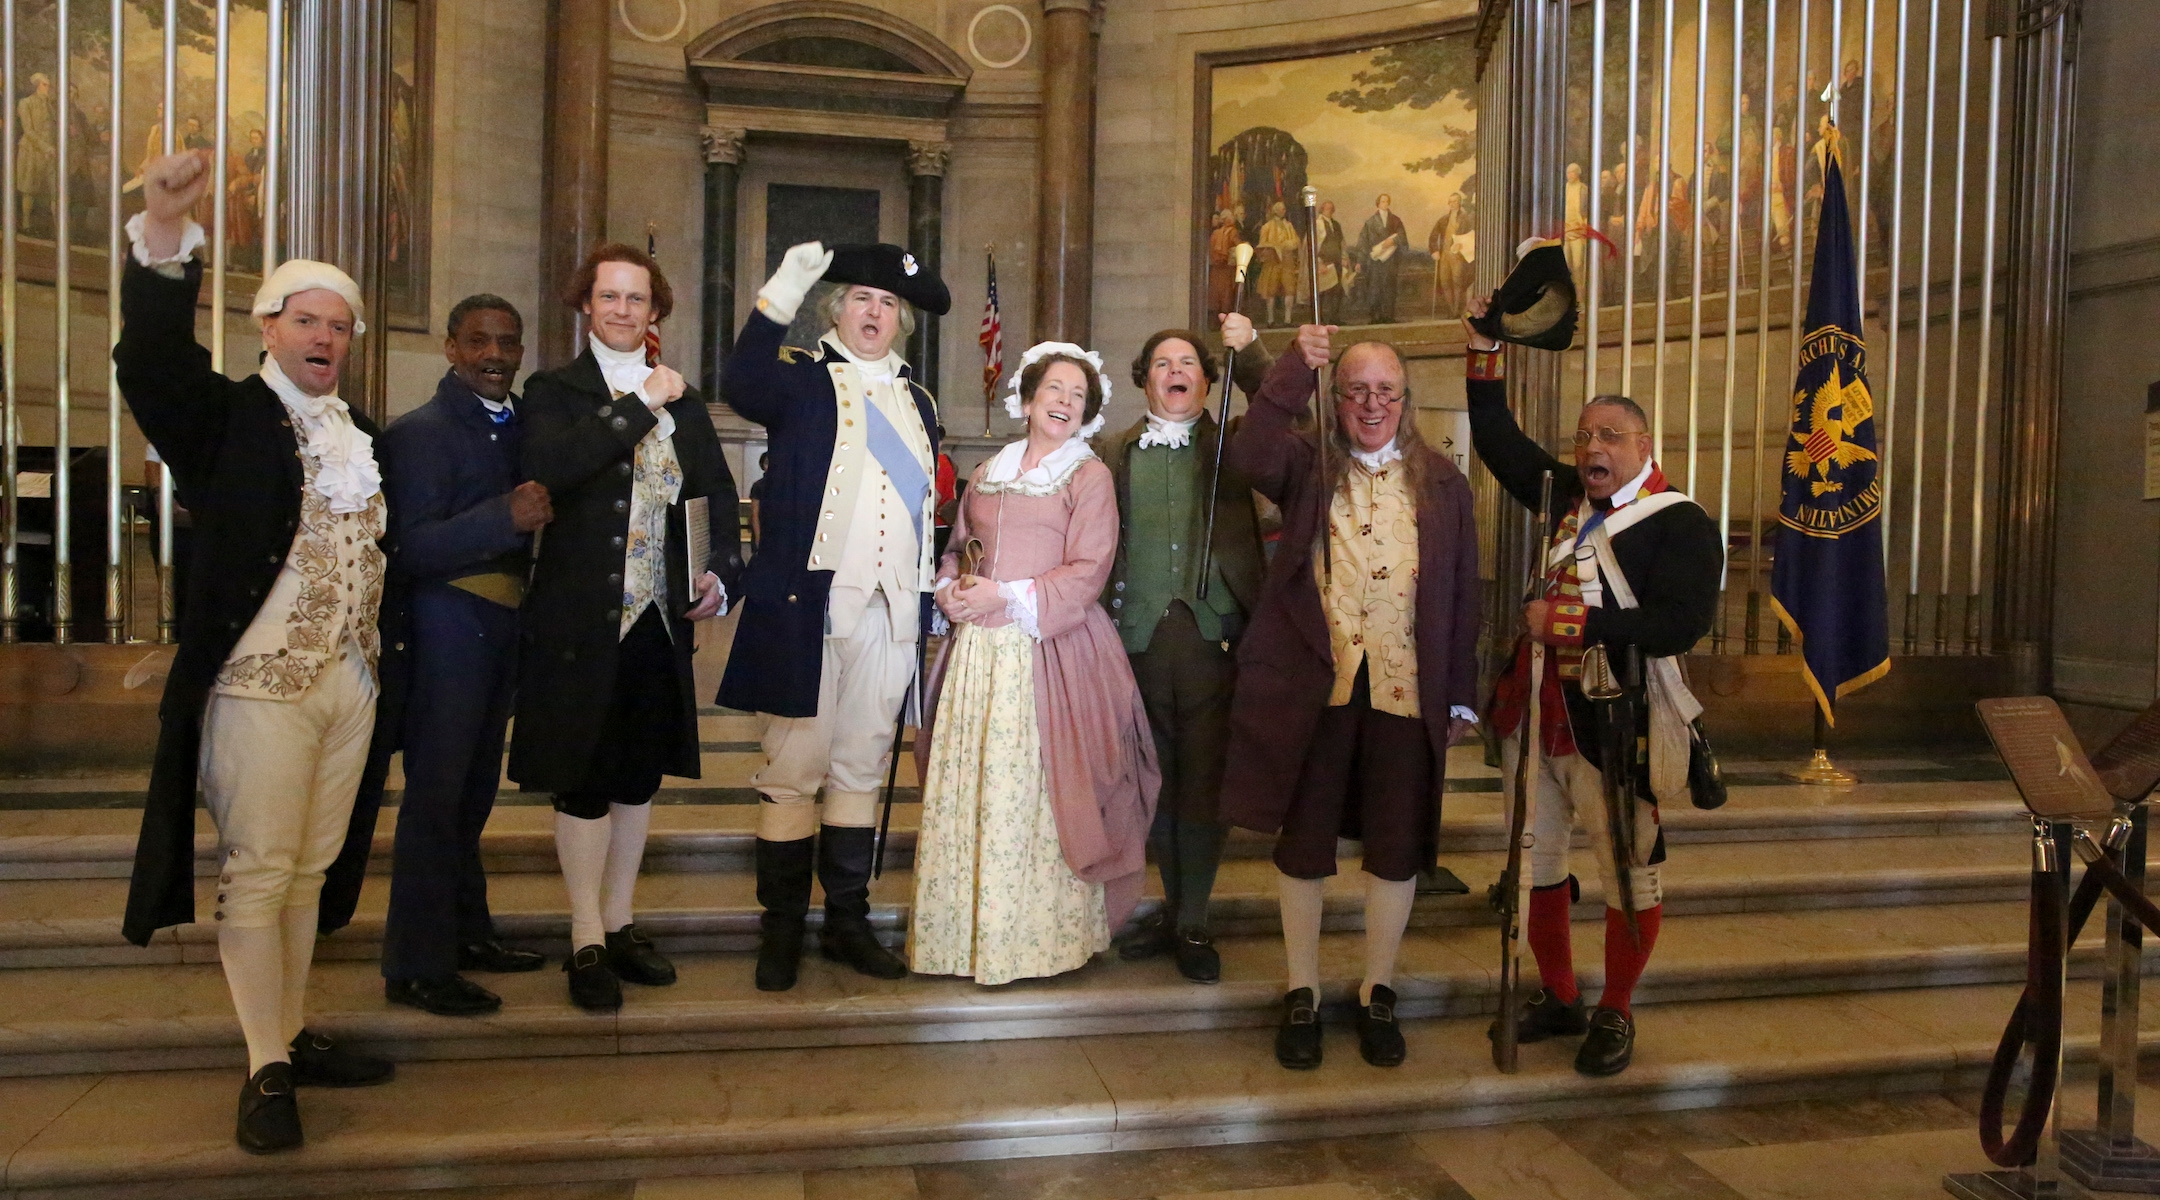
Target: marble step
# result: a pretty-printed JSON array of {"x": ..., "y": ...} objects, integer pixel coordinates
[
  {"x": 525, "y": 1122},
  {"x": 60, "y": 922},
  {"x": 178, "y": 1016},
  {"x": 99, "y": 843}
]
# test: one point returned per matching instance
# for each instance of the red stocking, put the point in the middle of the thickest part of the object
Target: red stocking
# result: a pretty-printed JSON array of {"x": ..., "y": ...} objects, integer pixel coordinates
[
  {"x": 1623, "y": 960},
  {"x": 1549, "y": 940}
]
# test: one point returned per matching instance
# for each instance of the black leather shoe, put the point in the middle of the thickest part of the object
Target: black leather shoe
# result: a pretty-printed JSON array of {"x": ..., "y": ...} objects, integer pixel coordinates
[
  {"x": 1148, "y": 937},
  {"x": 1543, "y": 1016},
  {"x": 593, "y": 987},
  {"x": 495, "y": 958},
  {"x": 1197, "y": 959},
  {"x": 634, "y": 960},
  {"x": 779, "y": 953},
  {"x": 319, "y": 1062},
  {"x": 269, "y": 1113},
  {"x": 451, "y": 996},
  {"x": 1379, "y": 1038},
  {"x": 1611, "y": 1044},
  {"x": 853, "y": 943},
  {"x": 1297, "y": 1039},
  {"x": 1439, "y": 881}
]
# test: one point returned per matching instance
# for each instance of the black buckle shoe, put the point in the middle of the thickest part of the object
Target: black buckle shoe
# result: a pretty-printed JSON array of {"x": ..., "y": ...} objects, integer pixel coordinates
[
  {"x": 269, "y": 1112},
  {"x": 1543, "y": 1016},
  {"x": 1611, "y": 1044},
  {"x": 633, "y": 959},
  {"x": 319, "y": 1062},
  {"x": 495, "y": 958},
  {"x": 1148, "y": 937},
  {"x": 593, "y": 987},
  {"x": 453, "y": 996},
  {"x": 1297, "y": 1039},
  {"x": 1439, "y": 881},
  {"x": 1197, "y": 958},
  {"x": 779, "y": 953},
  {"x": 1379, "y": 1038},
  {"x": 853, "y": 943}
]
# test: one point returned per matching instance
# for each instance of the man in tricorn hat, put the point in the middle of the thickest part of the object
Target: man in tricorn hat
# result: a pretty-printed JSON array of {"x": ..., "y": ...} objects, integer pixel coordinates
[{"x": 834, "y": 602}]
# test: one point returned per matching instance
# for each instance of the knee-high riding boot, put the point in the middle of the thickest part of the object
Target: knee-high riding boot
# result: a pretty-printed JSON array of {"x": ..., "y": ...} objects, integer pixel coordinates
[
  {"x": 784, "y": 870},
  {"x": 844, "y": 872}
]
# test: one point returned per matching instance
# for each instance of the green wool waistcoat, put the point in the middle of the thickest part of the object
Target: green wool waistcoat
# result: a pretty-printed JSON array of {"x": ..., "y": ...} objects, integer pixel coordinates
[{"x": 1162, "y": 503}]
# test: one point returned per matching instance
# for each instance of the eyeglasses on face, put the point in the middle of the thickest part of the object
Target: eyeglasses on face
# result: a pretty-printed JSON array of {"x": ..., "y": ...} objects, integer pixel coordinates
[
  {"x": 1606, "y": 435},
  {"x": 1360, "y": 394}
]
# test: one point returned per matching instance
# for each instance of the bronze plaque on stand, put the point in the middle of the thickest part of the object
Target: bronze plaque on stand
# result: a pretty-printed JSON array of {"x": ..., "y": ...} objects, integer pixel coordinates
[
  {"x": 2043, "y": 756},
  {"x": 2129, "y": 765}
]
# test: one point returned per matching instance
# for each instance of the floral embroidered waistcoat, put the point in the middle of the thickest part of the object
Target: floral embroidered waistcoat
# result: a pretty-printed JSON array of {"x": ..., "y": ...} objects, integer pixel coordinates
[
  {"x": 655, "y": 482},
  {"x": 325, "y": 604},
  {"x": 1371, "y": 600}
]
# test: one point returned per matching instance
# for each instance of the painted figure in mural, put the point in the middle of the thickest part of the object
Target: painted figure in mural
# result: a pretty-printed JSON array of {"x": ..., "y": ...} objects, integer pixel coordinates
[
  {"x": 1782, "y": 165},
  {"x": 1649, "y": 210},
  {"x": 834, "y": 610},
  {"x": 1449, "y": 245},
  {"x": 1182, "y": 645},
  {"x": 1359, "y": 669},
  {"x": 1222, "y": 272},
  {"x": 37, "y": 157},
  {"x": 243, "y": 200},
  {"x": 606, "y": 694},
  {"x": 1379, "y": 247},
  {"x": 462, "y": 523},
  {"x": 1649, "y": 587},
  {"x": 1575, "y": 222},
  {"x": 1039, "y": 777},
  {"x": 1613, "y": 182},
  {"x": 1281, "y": 255},
  {"x": 1750, "y": 168},
  {"x": 1334, "y": 264},
  {"x": 270, "y": 703}
]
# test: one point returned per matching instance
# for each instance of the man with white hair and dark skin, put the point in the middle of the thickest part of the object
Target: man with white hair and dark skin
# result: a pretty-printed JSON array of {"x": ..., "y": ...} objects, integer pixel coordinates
[
  {"x": 1631, "y": 564},
  {"x": 1359, "y": 669},
  {"x": 836, "y": 602},
  {"x": 270, "y": 702}
]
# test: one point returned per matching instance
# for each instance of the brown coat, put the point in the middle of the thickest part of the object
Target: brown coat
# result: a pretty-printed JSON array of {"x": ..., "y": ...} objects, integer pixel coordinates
[{"x": 1286, "y": 661}]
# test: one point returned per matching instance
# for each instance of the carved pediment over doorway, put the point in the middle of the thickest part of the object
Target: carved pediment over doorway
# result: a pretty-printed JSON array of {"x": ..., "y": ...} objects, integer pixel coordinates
[{"x": 827, "y": 56}]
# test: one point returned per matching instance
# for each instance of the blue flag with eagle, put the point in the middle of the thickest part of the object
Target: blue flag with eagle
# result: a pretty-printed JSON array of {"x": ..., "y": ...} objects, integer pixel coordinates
[{"x": 1827, "y": 584}]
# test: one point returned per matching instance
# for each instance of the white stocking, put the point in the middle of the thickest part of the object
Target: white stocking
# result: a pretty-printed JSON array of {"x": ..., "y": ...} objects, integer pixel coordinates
[
  {"x": 1301, "y": 900},
  {"x": 1387, "y": 914},
  {"x": 297, "y": 925},
  {"x": 582, "y": 848},
  {"x": 626, "y": 853},
  {"x": 255, "y": 973}
]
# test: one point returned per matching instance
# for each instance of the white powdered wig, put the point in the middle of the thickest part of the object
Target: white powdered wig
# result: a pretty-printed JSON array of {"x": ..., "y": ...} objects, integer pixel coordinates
[
  {"x": 1042, "y": 350},
  {"x": 297, "y": 275}
]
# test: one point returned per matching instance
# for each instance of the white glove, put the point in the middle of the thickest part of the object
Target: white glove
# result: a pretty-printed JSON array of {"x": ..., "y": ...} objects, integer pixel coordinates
[{"x": 799, "y": 270}]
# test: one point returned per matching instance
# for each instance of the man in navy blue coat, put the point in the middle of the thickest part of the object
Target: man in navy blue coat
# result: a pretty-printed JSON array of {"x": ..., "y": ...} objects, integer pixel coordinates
[
  {"x": 833, "y": 604},
  {"x": 461, "y": 534}
]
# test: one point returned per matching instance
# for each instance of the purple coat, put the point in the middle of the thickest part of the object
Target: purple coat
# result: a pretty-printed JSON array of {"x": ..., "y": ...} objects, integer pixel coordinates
[{"x": 1285, "y": 660}]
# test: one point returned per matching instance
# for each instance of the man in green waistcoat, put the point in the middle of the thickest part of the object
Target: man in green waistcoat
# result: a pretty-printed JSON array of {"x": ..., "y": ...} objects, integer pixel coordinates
[{"x": 1181, "y": 644}]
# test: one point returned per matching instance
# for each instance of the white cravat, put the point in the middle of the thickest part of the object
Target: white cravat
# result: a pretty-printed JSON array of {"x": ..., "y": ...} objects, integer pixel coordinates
[
  {"x": 1164, "y": 432},
  {"x": 625, "y": 371},
  {"x": 345, "y": 470},
  {"x": 1373, "y": 460}
]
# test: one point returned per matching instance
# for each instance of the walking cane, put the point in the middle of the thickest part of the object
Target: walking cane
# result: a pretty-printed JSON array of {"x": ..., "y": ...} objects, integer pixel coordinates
[
  {"x": 1321, "y": 419},
  {"x": 1240, "y": 258},
  {"x": 1514, "y": 886}
]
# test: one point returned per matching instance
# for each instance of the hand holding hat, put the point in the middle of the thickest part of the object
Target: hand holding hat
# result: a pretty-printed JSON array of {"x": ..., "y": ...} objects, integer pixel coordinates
[{"x": 800, "y": 269}]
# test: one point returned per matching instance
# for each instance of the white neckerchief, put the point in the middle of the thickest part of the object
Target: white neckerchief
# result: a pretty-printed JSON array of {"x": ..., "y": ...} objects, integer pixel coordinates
[
  {"x": 1634, "y": 486},
  {"x": 1161, "y": 431},
  {"x": 494, "y": 406},
  {"x": 873, "y": 370},
  {"x": 1373, "y": 460},
  {"x": 625, "y": 371},
  {"x": 1005, "y": 468},
  {"x": 345, "y": 471}
]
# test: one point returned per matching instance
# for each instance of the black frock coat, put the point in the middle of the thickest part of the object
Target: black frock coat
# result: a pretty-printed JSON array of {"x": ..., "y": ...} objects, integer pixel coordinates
[
  {"x": 580, "y": 442},
  {"x": 235, "y": 463},
  {"x": 779, "y": 650}
]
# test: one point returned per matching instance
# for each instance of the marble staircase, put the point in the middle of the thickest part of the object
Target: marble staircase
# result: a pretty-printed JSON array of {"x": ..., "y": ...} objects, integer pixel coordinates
[{"x": 1819, "y": 943}]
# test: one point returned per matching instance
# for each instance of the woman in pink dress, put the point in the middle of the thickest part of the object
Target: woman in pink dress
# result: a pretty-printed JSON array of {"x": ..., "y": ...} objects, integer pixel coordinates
[{"x": 1039, "y": 773}]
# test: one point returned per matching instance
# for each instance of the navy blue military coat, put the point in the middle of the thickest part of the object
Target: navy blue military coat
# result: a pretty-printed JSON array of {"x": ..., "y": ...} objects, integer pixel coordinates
[{"x": 780, "y": 637}]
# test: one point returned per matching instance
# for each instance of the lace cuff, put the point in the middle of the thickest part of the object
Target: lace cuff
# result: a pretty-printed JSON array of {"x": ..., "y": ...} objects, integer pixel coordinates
[
  {"x": 175, "y": 267},
  {"x": 1020, "y": 606}
]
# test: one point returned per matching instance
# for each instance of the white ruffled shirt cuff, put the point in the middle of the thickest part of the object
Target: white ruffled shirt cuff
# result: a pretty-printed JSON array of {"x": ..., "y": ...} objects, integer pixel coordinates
[
  {"x": 1020, "y": 606},
  {"x": 192, "y": 239},
  {"x": 1462, "y": 713}
]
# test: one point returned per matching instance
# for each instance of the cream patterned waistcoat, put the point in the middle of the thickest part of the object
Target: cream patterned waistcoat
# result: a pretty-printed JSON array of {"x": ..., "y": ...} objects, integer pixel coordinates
[
  {"x": 1371, "y": 602},
  {"x": 655, "y": 483},
  {"x": 326, "y": 602}
]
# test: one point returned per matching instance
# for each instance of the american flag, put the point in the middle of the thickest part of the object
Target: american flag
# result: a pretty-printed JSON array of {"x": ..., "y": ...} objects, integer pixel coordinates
[
  {"x": 992, "y": 338},
  {"x": 652, "y": 329}
]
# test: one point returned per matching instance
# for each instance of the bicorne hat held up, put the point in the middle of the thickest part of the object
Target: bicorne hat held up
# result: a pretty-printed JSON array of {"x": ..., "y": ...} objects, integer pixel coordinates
[
  {"x": 1535, "y": 305},
  {"x": 890, "y": 268}
]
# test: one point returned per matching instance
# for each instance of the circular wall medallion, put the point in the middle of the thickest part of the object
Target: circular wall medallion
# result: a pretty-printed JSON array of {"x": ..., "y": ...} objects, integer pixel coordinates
[
  {"x": 1009, "y": 38},
  {"x": 682, "y": 18}
]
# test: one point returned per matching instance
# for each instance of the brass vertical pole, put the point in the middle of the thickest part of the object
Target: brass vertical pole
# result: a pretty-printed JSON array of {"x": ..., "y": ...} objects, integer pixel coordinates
[
  {"x": 63, "y": 481},
  {"x": 10, "y": 420},
  {"x": 117, "y": 600},
  {"x": 168, "y": 603}
]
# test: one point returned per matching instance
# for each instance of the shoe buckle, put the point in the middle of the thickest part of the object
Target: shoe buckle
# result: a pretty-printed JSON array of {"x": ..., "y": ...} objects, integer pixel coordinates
[
  {"x": 1381, "y": 1012},
  {"x": 1302, "y": 1015},
  {"x": 317, "y": 1041},
  {"x": 273, "y": 1087}
]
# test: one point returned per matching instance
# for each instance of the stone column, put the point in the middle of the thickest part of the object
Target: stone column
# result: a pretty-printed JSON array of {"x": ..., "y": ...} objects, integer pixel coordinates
[
  {"x": 716, "y": 320},
  {"x": 573, "y": 213},
  {"x": 1064, "y": 235},
  {"x": 926, "y": 238}
]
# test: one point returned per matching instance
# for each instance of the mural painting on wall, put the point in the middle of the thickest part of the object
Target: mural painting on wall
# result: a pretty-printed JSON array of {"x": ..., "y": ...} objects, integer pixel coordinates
[
  {"x": 92, "y": 132},
  {"x": 1388, "y": 137}
]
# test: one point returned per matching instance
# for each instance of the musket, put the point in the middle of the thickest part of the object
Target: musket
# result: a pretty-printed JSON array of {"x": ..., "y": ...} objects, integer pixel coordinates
[
  {"x": 1514, "y": 887},
  {"x": 1620, "y": 759},
  {"x": 1323, "y": 413},
  {"x": 1240, "y": 258}
]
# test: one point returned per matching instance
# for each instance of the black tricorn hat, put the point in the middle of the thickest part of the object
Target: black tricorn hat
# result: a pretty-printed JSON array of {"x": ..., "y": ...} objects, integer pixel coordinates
[
  {"x": 1535, "y": 305},
  {"x": 890, "y": 268}
]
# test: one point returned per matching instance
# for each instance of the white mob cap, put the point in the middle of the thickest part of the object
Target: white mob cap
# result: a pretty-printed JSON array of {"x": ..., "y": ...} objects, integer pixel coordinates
[{"x": 297, "y": 275}]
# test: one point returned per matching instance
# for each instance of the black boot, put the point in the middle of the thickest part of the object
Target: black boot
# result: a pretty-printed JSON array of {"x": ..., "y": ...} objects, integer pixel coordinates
[
  {"x": 844, "y": 872},
  {"x": 784, "y": 870}
]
